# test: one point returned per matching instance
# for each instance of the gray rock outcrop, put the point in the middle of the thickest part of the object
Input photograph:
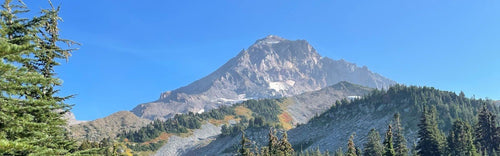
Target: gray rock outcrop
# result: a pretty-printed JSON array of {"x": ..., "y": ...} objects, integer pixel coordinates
[{"x": 272, "y": 67}]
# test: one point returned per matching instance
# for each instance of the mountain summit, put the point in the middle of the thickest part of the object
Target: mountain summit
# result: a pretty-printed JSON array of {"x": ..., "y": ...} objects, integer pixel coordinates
[{"x": 271, "y": 67}]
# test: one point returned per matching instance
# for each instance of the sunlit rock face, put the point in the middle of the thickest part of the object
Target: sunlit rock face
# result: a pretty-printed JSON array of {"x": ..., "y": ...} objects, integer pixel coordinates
[{"x": 271, "y": 67}]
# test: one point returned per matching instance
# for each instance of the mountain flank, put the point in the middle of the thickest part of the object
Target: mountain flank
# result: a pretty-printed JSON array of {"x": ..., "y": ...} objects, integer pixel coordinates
[
  {"x": 299, "y": 108},
  {"x": 272, "y": 67},
  {"x": 306, "y": 105},
  {"x": 331, "y": 130},
  {"x": 109, "y": 126}
]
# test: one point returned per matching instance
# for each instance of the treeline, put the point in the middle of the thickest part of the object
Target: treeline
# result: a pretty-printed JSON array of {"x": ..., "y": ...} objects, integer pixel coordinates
[
  {"x": 462, "y": 140},
  {"x": 450, "y": 106},
  {"x": 276, "y": 146},
  {"x": 264, "y": 115},
  {"x": 105, "y": 147},
  {"x": 450, "y": 124},
  {"x": 180, "y": 123},
  {"x": 268, "y": 109}
]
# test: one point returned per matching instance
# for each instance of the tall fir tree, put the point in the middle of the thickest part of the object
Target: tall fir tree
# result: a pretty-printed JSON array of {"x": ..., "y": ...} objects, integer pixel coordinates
[
  {"x": 388, "y": 146},
  {"x": 273, "y": 143},
  {"x": 486, "y": 132},
  {"x": 429, "y": 134},
  {"x": 351, "y": 148},
  {"x": 359, "y": 151},
  {"x": 47, "y": 54},
  {"x": 30, "y": 117},
  {"x": 400, "y": 147},
  {"x": 285, "y": 147},
  {"x": 245, "y": 143},
  {"x": 414, "y": 151},
  {"x": 373, "y": 147},
  {"x": 461, "y": 140},
  {"x": 339, "y": 152},
  {"x": 317, "y": 152}
]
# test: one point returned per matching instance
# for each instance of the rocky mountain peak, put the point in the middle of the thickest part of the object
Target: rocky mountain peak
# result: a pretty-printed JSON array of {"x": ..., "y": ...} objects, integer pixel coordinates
[
  {"x": 286, "y": 49},
  {"x": 270, "y": 39},
  {"x": 271, "y": 67}
]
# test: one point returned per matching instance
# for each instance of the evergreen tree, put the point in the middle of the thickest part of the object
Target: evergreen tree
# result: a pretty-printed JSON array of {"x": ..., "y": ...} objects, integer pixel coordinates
[
  {"x": 400, "y": 147},
  {"x": 225, "y": 130},
  {"x": 317, "y": 152},
  {"x": 85, "y": 145},
  {"x": 30, "y": 115},
  {"x": 359, "y": 151},
  {"x": 245, "y": 143},
  {"x": 351, "y": 148},
  {"x": 460, "y": 140},
  {"x": 105, "y": 142},
  {"x": 284, "y": 146},
  {"x": 264, "y": 151},
  {"x": 273, "y": 143},
  {"x": 388, "y": 147},
  {"x": 429, "y": 134},
  {"x": 373, "y": 147},
  {"x": 487, "y": 137},
  {"x": 414, "y": 151},
  {"x": 46, "y": 54},
  {"x": 339, "y": 152}
]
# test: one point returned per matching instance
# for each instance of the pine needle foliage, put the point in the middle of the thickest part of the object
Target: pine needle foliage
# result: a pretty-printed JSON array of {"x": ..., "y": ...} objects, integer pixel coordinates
[
  {"x": 31, "y": 115},
  {"x": 373, "y": 147}
]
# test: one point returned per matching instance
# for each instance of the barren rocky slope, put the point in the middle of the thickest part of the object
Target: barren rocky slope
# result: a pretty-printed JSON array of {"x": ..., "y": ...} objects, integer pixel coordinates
[
  {"x": 178, "y": 145},
  {"x": 109, "y": 126},
  {"x": 272, "y": 67},
  {"x": 306, "y": 105}
]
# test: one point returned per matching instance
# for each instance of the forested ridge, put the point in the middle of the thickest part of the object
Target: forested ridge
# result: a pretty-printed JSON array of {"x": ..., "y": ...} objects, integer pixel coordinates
[
  {"x": 455, "y": 124},
  {"x": 263, "y": 113},
  {"x": 447, "y": 119}
]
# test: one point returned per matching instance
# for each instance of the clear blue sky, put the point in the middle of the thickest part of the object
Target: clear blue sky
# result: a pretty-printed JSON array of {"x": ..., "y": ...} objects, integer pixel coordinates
[{"x": 134, "y": 50}]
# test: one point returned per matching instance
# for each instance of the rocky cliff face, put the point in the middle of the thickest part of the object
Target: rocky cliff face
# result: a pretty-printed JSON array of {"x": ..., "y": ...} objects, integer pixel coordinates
[{"x": 272, "y": 67}]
